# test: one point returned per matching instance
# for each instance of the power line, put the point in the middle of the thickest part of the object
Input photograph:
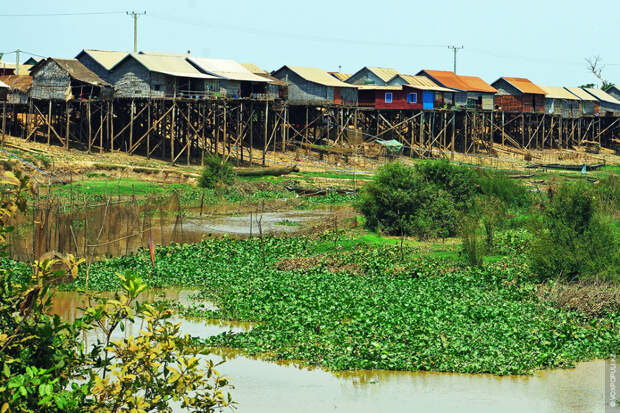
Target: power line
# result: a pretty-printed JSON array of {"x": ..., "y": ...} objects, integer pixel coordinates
[
  {"x": 291, "y": 35},
  {"x": 455, "y": 49},
  {"x": 88, "y": 13}
]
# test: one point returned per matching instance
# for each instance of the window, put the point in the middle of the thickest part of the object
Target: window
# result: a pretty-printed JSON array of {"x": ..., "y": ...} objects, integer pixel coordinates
[
  {"x": 412, "y": 98},
  {"x": 157, "y": 87},
  {"x": 388, "y": 97}
]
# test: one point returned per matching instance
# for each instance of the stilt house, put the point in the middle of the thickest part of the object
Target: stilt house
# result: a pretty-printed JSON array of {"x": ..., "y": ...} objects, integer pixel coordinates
[
  {"x": 66, "y": 79},
  {"x": 310, "y": 85},
  {"x": 430, "y": 94},
  {"x": 518, "y": 94},
  {"x": 371, "y": 75}
]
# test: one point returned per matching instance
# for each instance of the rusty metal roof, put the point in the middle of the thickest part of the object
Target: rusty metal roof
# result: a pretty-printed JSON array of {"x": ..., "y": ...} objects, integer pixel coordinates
[
  {"x": 106, "y": 58},
  {"x": 524, "y": 85},
  {"x": 602, "y": 95},
  {"x": 21, "y": 83},
  {"x": 422, "y": 83},
  {"x": 316, "y": 75},
  {"x": 581, "y": 94},
  {"x": 557, "y": 92},
  {"x": 340, "y": 76},
  {"x": 476, "y": 84},
  {"x": 446, "y": 78}
]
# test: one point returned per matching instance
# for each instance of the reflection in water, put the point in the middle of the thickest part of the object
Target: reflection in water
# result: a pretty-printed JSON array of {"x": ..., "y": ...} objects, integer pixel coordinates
[
  {"x": 119, "y": 227},
  {"x": 263, "y": 386}
]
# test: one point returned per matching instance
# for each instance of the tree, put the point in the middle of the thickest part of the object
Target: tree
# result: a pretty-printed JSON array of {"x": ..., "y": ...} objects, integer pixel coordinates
[{"x": 596, "y": 66}]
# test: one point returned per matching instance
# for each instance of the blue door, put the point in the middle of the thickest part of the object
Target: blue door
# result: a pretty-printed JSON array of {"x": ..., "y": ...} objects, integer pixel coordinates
[{"x": 428, "y": 98}]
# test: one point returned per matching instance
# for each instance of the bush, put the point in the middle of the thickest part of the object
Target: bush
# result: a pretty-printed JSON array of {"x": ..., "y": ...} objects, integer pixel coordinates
[
  {"x": 400, "y": 203},
  {"x": 471, "y": 248},
  {"x": 571, "y": 240},
  {"x": 458, "y": 181},
  {"x": 216, "y": 172}
]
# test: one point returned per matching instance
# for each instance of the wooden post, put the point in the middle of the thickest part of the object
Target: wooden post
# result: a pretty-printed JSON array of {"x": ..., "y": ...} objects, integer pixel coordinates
[
  {"x": 266, "y": 132},
  {"x": 453, "y": 133},
  {"x": 148, "y": 130},
  {"x": 131, "y": 114},
  {"x": 101, "y": 128},
  {"x": 67, "y": 126},
  {"x": 173, "y": 130},
  {"x": 225, "y": 137},
  {"x": 188, "y": 140},
  {"x": 49, "y": 121},
  {"x": 111, "y": 114},
  {"x": 523, "y": 130},
  {"x": 251, "y": 132},
  {"x": 90, "y": 141},
  {"x": 422, "y": 128},
  {"x": 3, "y": 121},
  {"x": 466, "y": 132}
]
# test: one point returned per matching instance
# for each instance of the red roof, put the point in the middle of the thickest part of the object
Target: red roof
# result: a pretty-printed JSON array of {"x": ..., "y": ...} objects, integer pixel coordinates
[
  {"x": 476, "y": 84},
  {"x": 524, "y": 85},
  {"x": 447, "y": 79}
]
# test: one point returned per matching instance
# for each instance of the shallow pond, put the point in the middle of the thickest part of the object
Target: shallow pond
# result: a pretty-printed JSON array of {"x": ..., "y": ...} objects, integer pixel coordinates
[{"x": 264, "y": 386}]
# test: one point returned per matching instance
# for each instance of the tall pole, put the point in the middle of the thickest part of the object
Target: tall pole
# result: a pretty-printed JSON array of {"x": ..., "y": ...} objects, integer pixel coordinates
[
  {"x": 17, "y": 61},
  {"x": 135, "y": 28},
  {"x": 455, "y": 49}
]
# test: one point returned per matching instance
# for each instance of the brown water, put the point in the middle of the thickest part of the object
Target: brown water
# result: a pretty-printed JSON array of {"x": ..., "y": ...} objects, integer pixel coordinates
[
  {"x": 119, "y": 227},
  {"x": 264, "y": 386}
]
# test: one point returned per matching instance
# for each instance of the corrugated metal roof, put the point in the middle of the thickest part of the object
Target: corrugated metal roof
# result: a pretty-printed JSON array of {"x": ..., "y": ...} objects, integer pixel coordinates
[
  {"x": 524, "y": 85},
  {"x": 557, "y": 92},
  {"x": 316, "y": 75},
  {"x": 75, "y": 69},
  {"x": 602, "y": 95},
  {"x": 379, "y": 87},
  {"x": 172, "y": 65},
  {"x": 106, "y": 58},
  {"x": 21, "y": 83},
  {"x": 23, "y": 69},
  {"x": 422, "y": 83},
  {"x": 476, "y": 84},
  {"x": 447, "y": 79},
  {"x": 581, "y": 94},
  {"x": 383, "y": 73},
  {"x": 225, "y": 68},
  {"x": 340, "y": 76},
  {"x": 254, "y": 69}
]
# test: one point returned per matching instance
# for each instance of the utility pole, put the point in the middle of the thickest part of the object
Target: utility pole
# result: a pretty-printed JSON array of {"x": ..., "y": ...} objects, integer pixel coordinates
[
  {"x": 17, "y": 61},
  {"x": 135, "y": 28},
  {"x": 455, "y": 49}
]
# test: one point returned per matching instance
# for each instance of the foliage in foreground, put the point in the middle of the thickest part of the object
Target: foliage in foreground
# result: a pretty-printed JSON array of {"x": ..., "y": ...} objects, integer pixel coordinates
[
  {"x": 45, "y": 366},
  {"x": 372, "y": 310}
]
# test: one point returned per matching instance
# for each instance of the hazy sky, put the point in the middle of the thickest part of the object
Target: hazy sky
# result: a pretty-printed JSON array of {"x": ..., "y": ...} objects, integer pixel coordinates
[{"x": 543, "y": 40}]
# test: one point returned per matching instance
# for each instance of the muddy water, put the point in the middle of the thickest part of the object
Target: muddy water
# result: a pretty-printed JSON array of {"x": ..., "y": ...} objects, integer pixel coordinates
[
  {"x": 263, "y": 386},
  {"x": 123, "y": 226}
]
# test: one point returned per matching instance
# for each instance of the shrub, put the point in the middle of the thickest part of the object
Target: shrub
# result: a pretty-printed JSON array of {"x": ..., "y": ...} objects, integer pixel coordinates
[
  {"x": 400, "y": 203},
  {"x": 571, "y": 240},
  {"x": 458, "y": 181},
  {"x": 471, "y": 248},
  {"x": 216, "y": 172}
]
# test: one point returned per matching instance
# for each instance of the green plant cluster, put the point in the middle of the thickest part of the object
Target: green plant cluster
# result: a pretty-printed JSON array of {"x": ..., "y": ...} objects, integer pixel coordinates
[
  {"x": 572, "y": 239},
  {"x": 216, "y": 172},
  {"x": 372, "y": 309}
]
